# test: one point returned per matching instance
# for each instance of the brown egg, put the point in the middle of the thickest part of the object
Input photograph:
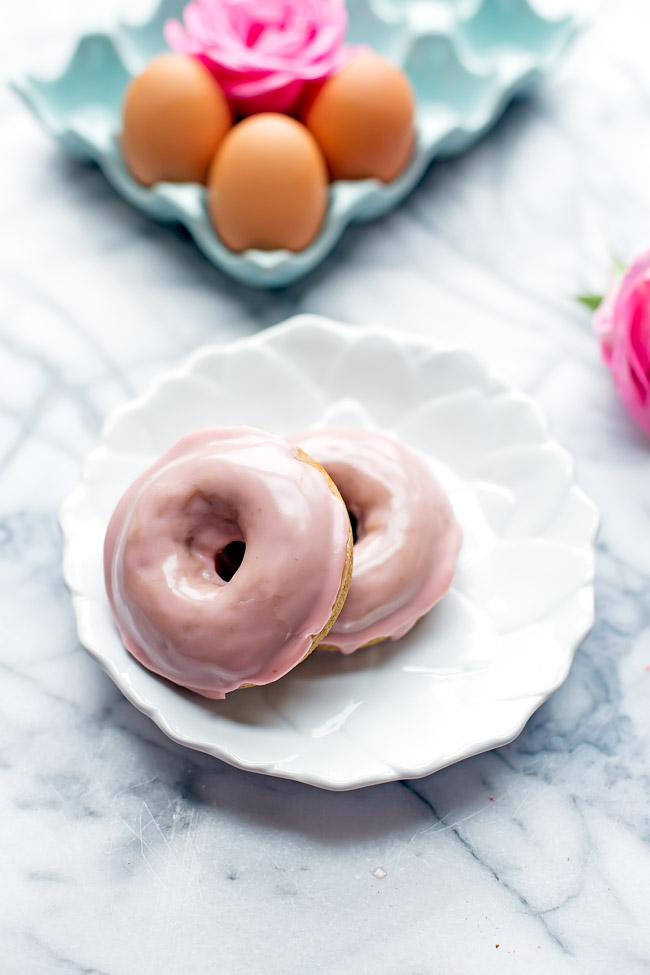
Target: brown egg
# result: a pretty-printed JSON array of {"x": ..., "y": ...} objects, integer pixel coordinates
[
  {"x": 362, "y": 118},
  {"x": 175, "y": 116},
  {"x": 268, "y": 185}
]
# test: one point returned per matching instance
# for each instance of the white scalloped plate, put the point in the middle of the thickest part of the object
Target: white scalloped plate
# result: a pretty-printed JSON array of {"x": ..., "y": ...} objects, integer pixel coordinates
[
  {"x": 470, "y": 674},
  {"x": 466, "y": 60}
]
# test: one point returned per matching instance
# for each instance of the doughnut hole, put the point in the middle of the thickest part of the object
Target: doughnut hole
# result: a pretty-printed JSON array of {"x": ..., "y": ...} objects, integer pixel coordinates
[
  {"x": 354, "y": 522},
  {"x": 229, "y": 559},
  {"x": 214, "y": 535}
]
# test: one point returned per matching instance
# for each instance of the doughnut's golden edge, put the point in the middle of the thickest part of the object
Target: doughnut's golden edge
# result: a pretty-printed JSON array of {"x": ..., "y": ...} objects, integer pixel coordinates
[{"x": 347, "y": 568}]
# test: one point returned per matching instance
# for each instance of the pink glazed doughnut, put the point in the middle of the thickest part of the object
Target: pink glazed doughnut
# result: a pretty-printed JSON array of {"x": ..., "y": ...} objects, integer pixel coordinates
[
  {"x": 186, "y": 604},
  {"x": 406, "y": 541}
]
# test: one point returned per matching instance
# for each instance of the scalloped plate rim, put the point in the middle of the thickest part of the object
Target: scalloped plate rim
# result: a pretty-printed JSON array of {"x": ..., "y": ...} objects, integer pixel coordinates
[{"x": 68, "y": 520}]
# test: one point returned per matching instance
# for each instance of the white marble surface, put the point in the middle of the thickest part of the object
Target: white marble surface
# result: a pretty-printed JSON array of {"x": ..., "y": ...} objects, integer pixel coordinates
[{"x": 122, "y": 853}]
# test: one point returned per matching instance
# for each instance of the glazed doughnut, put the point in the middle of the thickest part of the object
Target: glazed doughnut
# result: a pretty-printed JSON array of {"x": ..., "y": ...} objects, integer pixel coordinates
[
  {"x": 406, "y": 539},
  {"x": 184, "y": 605}
]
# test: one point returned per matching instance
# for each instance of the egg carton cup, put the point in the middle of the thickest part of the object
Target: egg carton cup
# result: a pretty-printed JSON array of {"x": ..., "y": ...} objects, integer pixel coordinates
[{"x": 466, "y": 60}]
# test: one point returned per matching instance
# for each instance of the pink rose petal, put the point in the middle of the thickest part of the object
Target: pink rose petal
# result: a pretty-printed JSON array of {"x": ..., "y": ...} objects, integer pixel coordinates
[
  {"x": 623, "y": 325},
  {"x": 263, "y": 52}
]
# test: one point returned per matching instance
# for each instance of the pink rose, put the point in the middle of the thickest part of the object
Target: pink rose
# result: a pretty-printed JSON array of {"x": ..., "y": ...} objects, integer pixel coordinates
[
  {"x": 623, "y": 323},
  {"x": 263, "y": 52}
]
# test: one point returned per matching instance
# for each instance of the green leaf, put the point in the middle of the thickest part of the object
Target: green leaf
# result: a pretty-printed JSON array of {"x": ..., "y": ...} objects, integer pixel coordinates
[{"x": 591, "y": 301}]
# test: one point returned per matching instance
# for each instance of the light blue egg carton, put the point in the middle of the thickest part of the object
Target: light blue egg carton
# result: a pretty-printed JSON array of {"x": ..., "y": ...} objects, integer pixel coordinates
[{"x": 466, "y": 60}]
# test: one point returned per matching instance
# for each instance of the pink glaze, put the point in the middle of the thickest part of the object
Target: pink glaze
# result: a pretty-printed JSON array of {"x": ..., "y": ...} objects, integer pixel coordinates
[
  {"x": 175, "y": 614},
  {"x": 407, "y": 537}
]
